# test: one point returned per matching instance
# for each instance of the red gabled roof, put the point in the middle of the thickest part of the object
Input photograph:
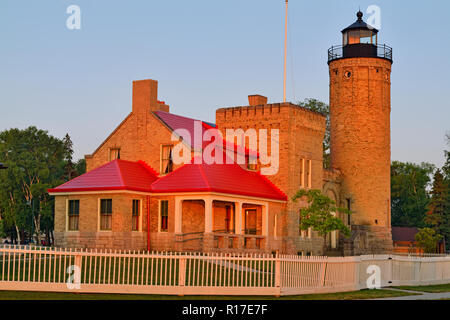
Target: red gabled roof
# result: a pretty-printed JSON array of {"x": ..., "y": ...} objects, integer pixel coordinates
[
  {"x": 223, "y": 178},
  {"x": 175, "y": 122},
  {"x": 138, "y": 176},
  {"x": 115, "y": 175}
]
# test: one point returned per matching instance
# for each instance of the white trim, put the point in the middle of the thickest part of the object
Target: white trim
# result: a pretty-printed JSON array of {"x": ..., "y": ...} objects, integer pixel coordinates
[
  {"x": 220, "y": 196},
  {"x": 99, "y": 192},
  {"x": 67, "y": 214},
  {"x": 182, "y": 194}
]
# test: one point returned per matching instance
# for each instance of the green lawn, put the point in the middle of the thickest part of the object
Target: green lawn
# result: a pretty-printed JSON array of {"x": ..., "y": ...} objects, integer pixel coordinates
[
  {"x": 431, "y": 289},
  {"x": 354, "y": 295}
]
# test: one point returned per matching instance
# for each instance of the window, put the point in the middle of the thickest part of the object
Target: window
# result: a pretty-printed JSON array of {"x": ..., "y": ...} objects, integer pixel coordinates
[
  {"x": 308, "y": 172},
  {"x": 164, "y": 215},
  {"x": 228, "y": 221},
  {"x": 302, "y": 173},
  {"x": 251, "y": 163},
  {"x": 74, "y": 214},
  {"x": 114, "y": 153},
  {"x": 349, "y": 222},
  {"x": 353, "y": 37},
  {"x": 136, "y": 212},
  {"x": 105, "y": 214},
  {"x": 365, "y": 36},
  {"x": 166, "y": 159}
]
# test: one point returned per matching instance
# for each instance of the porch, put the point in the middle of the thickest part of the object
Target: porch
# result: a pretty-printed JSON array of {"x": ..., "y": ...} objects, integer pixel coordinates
[{"x": 221, "y": 223}]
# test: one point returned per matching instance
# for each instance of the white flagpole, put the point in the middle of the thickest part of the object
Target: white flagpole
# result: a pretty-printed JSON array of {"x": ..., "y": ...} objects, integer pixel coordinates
[{"x": 285, "y": 53}]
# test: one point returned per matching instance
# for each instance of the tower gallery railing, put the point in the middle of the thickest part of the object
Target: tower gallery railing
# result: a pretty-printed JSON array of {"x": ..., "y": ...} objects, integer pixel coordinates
[{"x": 360, "y": 50}]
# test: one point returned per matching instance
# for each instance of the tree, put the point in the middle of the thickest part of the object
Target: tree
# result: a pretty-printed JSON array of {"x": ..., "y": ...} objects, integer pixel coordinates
[
  {"x": 427, "y": 240},
  {"x": 36, "y": 162},
  {"x": 319, "y": 214},
  {"x": 409, "y": 196},
  {"x": 323, "y": 108},
  {"x": 80, "y": 167},
  {"x": 68, "y": 153},
  {"x": 438, "y": 215}
]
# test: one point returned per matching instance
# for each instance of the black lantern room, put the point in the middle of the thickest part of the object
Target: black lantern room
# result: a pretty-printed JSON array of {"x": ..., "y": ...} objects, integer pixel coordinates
[{"x": 359, "y": 40}]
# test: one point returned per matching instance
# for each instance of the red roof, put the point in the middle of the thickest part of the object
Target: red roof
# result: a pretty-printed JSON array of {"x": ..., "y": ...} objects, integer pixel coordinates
[
  {"x": 138, "y": 176},
  {"x": 115, "y": 175},
  {"x": 404, "y": 233},
  {"x": 223, "y": 178},
  {"x": 175, "y": 122}
]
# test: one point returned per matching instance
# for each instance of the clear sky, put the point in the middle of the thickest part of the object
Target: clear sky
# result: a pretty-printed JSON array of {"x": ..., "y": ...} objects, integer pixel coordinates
[{"x": 208, "y": 54}]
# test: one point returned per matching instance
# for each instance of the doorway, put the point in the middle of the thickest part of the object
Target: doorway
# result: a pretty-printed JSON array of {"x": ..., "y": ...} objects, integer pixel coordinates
[{"x": 250, "y": 221}]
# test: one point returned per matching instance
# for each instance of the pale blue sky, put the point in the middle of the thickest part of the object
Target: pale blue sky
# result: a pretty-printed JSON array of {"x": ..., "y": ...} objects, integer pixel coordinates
[{"x": 208, "y": 54}]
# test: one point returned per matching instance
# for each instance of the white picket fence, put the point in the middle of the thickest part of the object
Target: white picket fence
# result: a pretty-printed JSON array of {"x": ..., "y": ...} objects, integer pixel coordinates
[{"x": 109, "y": 271}]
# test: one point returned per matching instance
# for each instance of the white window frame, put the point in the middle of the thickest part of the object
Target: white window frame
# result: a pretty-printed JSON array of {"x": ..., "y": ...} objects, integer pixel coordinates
[
  {"x": 159, "y": 216},
  {"x": 117, "y": 149},
  {"x": 67, "y": 217},
  {"x": 161, "y": 158},
  {"x": 140, "y": 220},
  {"x": 99, "y": 215}
]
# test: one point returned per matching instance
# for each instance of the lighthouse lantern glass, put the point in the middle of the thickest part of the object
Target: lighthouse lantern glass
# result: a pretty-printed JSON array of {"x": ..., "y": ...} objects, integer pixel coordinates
[{"x": 359, "y": 36}]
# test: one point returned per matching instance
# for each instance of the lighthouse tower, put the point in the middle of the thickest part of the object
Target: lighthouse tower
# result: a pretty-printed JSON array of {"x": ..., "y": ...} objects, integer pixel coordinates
[{"x": 360, "y": 108}]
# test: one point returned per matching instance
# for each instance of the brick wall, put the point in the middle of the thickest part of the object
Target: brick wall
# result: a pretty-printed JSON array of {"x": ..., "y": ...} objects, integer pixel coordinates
[{"x": 360, "y": 140}]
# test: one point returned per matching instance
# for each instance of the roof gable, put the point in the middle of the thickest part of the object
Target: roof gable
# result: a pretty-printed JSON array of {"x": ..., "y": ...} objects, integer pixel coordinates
[
  {"x": 175, "y": 122},
  {"x": 115, "y": 175}
]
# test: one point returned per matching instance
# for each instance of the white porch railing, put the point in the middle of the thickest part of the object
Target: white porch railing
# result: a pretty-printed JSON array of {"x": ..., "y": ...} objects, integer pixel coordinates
[{"x": 65, "y": 270}]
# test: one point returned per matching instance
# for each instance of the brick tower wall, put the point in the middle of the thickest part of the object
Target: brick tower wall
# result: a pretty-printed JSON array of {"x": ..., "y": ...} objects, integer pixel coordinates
[
  {"x": 301, "y": 133},
  {"x": 360, "y": 143}
]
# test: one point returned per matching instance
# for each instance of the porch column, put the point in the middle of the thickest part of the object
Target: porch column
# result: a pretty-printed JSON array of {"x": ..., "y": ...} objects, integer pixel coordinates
[
  {"x": 265, "y": 220},
  {"x": 208, "y": 215},
  {"x": 178, "y": 215},
  {"x": 238, "y": 218}
]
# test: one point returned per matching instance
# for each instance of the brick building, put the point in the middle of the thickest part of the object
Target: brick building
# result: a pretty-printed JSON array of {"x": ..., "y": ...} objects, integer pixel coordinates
[{"x": 136, "y": 196}]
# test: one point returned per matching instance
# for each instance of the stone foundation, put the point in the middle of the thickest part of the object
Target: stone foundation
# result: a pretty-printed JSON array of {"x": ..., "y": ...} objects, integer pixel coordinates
[
  {"x": 368, "y": 240},
  {"x": 102, "y": 240}
]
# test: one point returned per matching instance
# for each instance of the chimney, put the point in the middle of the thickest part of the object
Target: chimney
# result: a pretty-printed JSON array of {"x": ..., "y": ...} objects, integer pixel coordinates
[
  {"x": 256, "y": 100},
  {"x": 145, "y": 97}
]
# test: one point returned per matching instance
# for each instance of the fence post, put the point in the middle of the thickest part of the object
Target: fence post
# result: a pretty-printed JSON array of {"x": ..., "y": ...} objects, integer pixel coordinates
[
  {"x": 323, "y": 273},
  {"x": 390, "y": 271},
  {"x": 357, "y": 262},
  {"x": 182, "y": 274},
  {"x": 278, "y": 274}
]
